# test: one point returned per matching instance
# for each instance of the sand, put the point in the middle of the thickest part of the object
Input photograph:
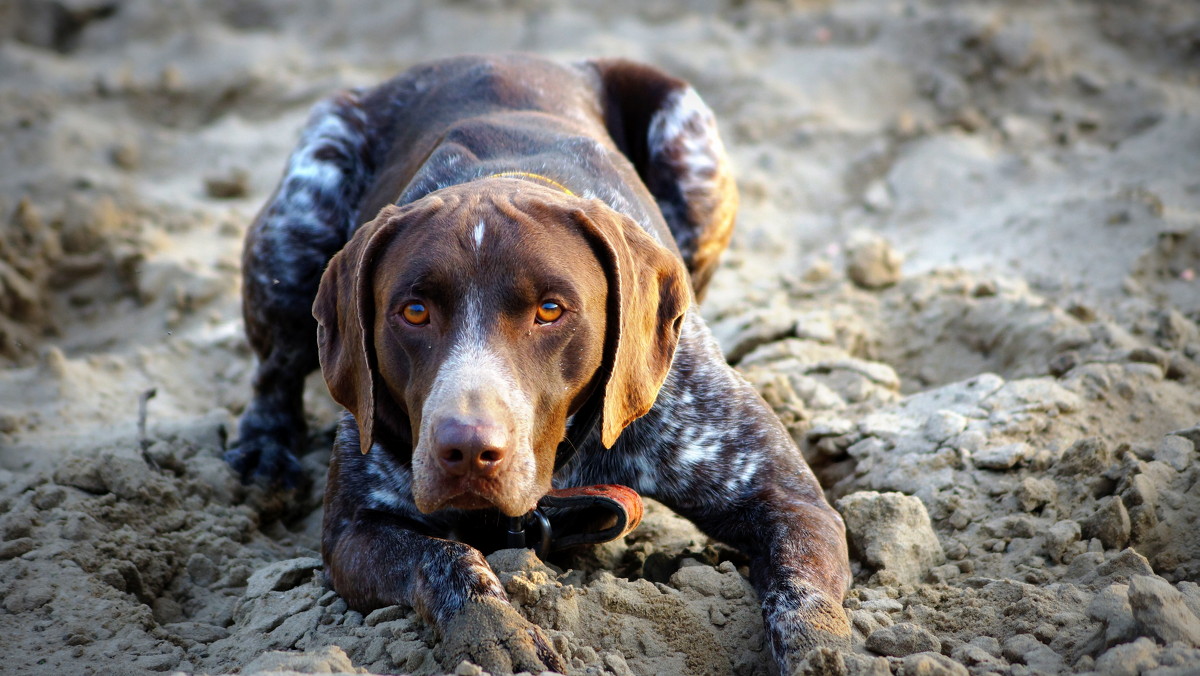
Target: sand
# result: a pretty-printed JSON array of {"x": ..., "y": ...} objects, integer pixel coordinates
[{"x": 964, "y": 275}]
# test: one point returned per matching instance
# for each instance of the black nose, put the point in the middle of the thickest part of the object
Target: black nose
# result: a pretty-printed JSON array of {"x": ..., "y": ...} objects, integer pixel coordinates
[{"x": 470, "y": 448}]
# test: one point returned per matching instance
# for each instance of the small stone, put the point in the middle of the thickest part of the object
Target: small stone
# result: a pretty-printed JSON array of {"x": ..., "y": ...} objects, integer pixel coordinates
[
  {"x": 1110, "y": 523},
  {"x": 14, "y": 548},
  {"x": 931, "y": 664},
  {"x": 1129, "y": 659},
  {"x": 1111, "y": 606},
  {"x": 1175, "y": 451},
  {"x": 197, "y": 631},
  {"x": 202, "y": 570},
  {"x": 126, "y": 156},
  {"x": 385, "y": 614},
  {"x": 231, "y": 186},
  {"x": 971, "y": 654},
  {"x": 892, "y": 532},
  {"x": 1161, "y": 612},
  {"x": 944, "y": 424},
  {"x": 903, "y": 639},
  {"x": 1092, "y": 569},
  {"x": 1002, "y": 457},
  {"x": 871, "y": 262},
  {"x": 1034, "y": 493},
  {"x": 465, "y": 668},
  {"x": 1026, "y": 649},
  {"x": 280, "y": 576}
]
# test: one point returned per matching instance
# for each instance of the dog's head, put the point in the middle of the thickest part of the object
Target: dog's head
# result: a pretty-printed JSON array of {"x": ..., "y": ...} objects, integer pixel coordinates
[{"x": 475, "y": 321}]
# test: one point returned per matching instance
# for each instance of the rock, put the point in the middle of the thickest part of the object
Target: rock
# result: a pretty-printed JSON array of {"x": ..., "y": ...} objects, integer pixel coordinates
[
  {"x": 1087, "y": 457},
  {"x": 1160, "y": 611},
  {"x": 385, "y": 614},
  {"x": 1120, "y": 568},
  {"x": 1110, "y": 523},
  {"x": 931, "y": 664},
  {"x": 1026, "y": 649},
  {"x": 971, "y": 654},
  {"x": 740, "y": 334},
  {"x": 1034, "y": 493},
  {"x": 1191, "y": 596},
  {"x": 902, "y": 639},
  {"x": 1002, "y": 457},
  {"x": 821, "y": 662},
  {"x": 1175, "y": 451},
  {"x": 892, "y": 532},
  {"x": 865, "y": 665},
  {"x": 871, "y": 262},
  {"x": 330, "y": 660},
  {"x": 233, "y": 185},
  {"x": 944, "y": 424},
  {"x": 197, "y": 631},
  {"x": 280, "y": 576},
  {"x": 1129, "y": 659},
  {"x": 1111, "y": 607}
]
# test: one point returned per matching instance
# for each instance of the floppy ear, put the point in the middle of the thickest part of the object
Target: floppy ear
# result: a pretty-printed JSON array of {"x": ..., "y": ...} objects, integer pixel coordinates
[
  {"x": 648, "y": 294},
  {"x": 345, "y": 314}
]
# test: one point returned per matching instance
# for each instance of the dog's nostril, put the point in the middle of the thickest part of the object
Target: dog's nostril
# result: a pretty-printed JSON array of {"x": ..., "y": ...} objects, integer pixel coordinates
[{"x": 470, "y": 448}]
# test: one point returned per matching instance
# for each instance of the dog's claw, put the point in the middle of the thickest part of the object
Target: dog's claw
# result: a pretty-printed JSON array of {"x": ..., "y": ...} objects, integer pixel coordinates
[
  {"x": 492, "y": 634},
  {"x": 264, "y": 461}
]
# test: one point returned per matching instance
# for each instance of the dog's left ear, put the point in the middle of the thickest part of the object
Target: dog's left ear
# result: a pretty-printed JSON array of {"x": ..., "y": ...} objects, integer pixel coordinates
[
  {"x": 648, "y": 294},
  {"x": 345, "y": 314}
]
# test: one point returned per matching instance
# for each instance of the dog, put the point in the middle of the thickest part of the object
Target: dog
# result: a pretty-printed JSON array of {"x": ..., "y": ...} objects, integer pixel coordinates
[{"x": 509, "y": 252}]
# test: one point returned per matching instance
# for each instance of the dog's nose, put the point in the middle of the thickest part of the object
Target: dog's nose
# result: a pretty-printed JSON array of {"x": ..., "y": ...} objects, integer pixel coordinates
[{"x": 470, "y": 448}]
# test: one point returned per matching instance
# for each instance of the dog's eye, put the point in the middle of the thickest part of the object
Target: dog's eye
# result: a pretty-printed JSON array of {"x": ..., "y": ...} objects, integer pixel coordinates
[
  {"x": 548, "y": 312},
  {"x": 415, "y": 314}
]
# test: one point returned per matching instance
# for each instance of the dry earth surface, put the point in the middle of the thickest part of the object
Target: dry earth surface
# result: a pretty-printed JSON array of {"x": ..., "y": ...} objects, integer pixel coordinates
[{"x": 965, "y": 275}]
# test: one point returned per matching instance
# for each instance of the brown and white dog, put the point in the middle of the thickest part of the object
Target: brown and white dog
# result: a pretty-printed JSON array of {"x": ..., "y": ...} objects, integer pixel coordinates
[{"x": 510, "y": 252}]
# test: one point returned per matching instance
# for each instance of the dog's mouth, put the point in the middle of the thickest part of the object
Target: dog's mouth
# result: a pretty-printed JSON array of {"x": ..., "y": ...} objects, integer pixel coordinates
[{"x": 473, "y": 493}]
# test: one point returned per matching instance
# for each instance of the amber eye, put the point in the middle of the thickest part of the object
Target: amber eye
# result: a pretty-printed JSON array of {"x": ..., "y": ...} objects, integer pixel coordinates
[
  {"x": 415, "y": 314},
  {"x": 548, "y": 312}
]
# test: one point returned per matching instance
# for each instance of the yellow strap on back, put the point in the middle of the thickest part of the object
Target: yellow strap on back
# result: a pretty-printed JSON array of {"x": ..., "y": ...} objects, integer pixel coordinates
[{"x": 536, "y": 177}]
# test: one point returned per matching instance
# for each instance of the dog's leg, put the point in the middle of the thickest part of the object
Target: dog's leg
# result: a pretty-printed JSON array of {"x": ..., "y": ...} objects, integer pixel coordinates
[
  {"x": 713, "y": 451},
  {"x": 307, "y": 220},
  {"x": 670, "y": 135},
  {"x": 797, "y": 548},
  {"x": 374, "y": 557}
]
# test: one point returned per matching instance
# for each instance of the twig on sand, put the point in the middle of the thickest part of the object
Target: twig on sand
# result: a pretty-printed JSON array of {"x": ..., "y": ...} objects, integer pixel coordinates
[{"x": 143, "y": 440}]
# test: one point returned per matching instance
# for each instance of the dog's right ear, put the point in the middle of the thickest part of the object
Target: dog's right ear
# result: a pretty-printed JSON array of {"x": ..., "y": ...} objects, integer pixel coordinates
[{"x": 345, "y": 314}]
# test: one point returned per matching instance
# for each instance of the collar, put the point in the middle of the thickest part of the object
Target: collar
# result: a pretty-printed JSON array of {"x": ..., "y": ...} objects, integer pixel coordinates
[{"x": 536, "y": 177}]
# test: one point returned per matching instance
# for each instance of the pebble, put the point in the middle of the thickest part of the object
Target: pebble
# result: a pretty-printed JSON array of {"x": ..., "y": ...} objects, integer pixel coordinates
[
  {"x": 1110, "y": 523},
  {"x": 1111, "y": 606},
  {"x": 903, "y": 639},
  {"x": 1002, "y": 457},
  {"x": 1129, "y": 659},
  {"x": 931, "y": 664},
  {"x": 871, "y": 262},
  {"x": 892, "y": 533},
  {"x": 280, "y": 575},
  {"x": 1175, "y": 451},
  {"x": 1160, "y": 611},
  {"x": 1026, "y": 649}
]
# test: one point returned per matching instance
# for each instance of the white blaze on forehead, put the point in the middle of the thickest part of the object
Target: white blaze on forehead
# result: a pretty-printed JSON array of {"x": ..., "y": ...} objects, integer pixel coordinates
[{"x": 479, "y": 235}]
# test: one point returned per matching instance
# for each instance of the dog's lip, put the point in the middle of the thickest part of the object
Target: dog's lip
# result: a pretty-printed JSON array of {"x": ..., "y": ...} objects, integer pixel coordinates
[{"x": 473, "y": 494}]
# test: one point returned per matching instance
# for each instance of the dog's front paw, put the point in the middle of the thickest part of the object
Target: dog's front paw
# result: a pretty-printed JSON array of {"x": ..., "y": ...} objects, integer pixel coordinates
[
  {"x": 810, "y": 621},
  {"x": 492, "y": 634},
  {"x": 264, "y": 454}
]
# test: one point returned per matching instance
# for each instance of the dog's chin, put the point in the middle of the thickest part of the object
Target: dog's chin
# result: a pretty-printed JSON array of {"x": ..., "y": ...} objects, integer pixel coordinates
[{"x": 471, "y": 495}]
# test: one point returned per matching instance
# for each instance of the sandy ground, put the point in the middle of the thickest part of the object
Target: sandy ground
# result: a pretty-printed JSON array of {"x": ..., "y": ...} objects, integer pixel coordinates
[{"x": 965, "y": 275}]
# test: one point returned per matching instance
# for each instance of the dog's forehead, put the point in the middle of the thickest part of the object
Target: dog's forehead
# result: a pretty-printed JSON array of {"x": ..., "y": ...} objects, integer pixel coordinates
[{"x": 499, "y": 241}]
